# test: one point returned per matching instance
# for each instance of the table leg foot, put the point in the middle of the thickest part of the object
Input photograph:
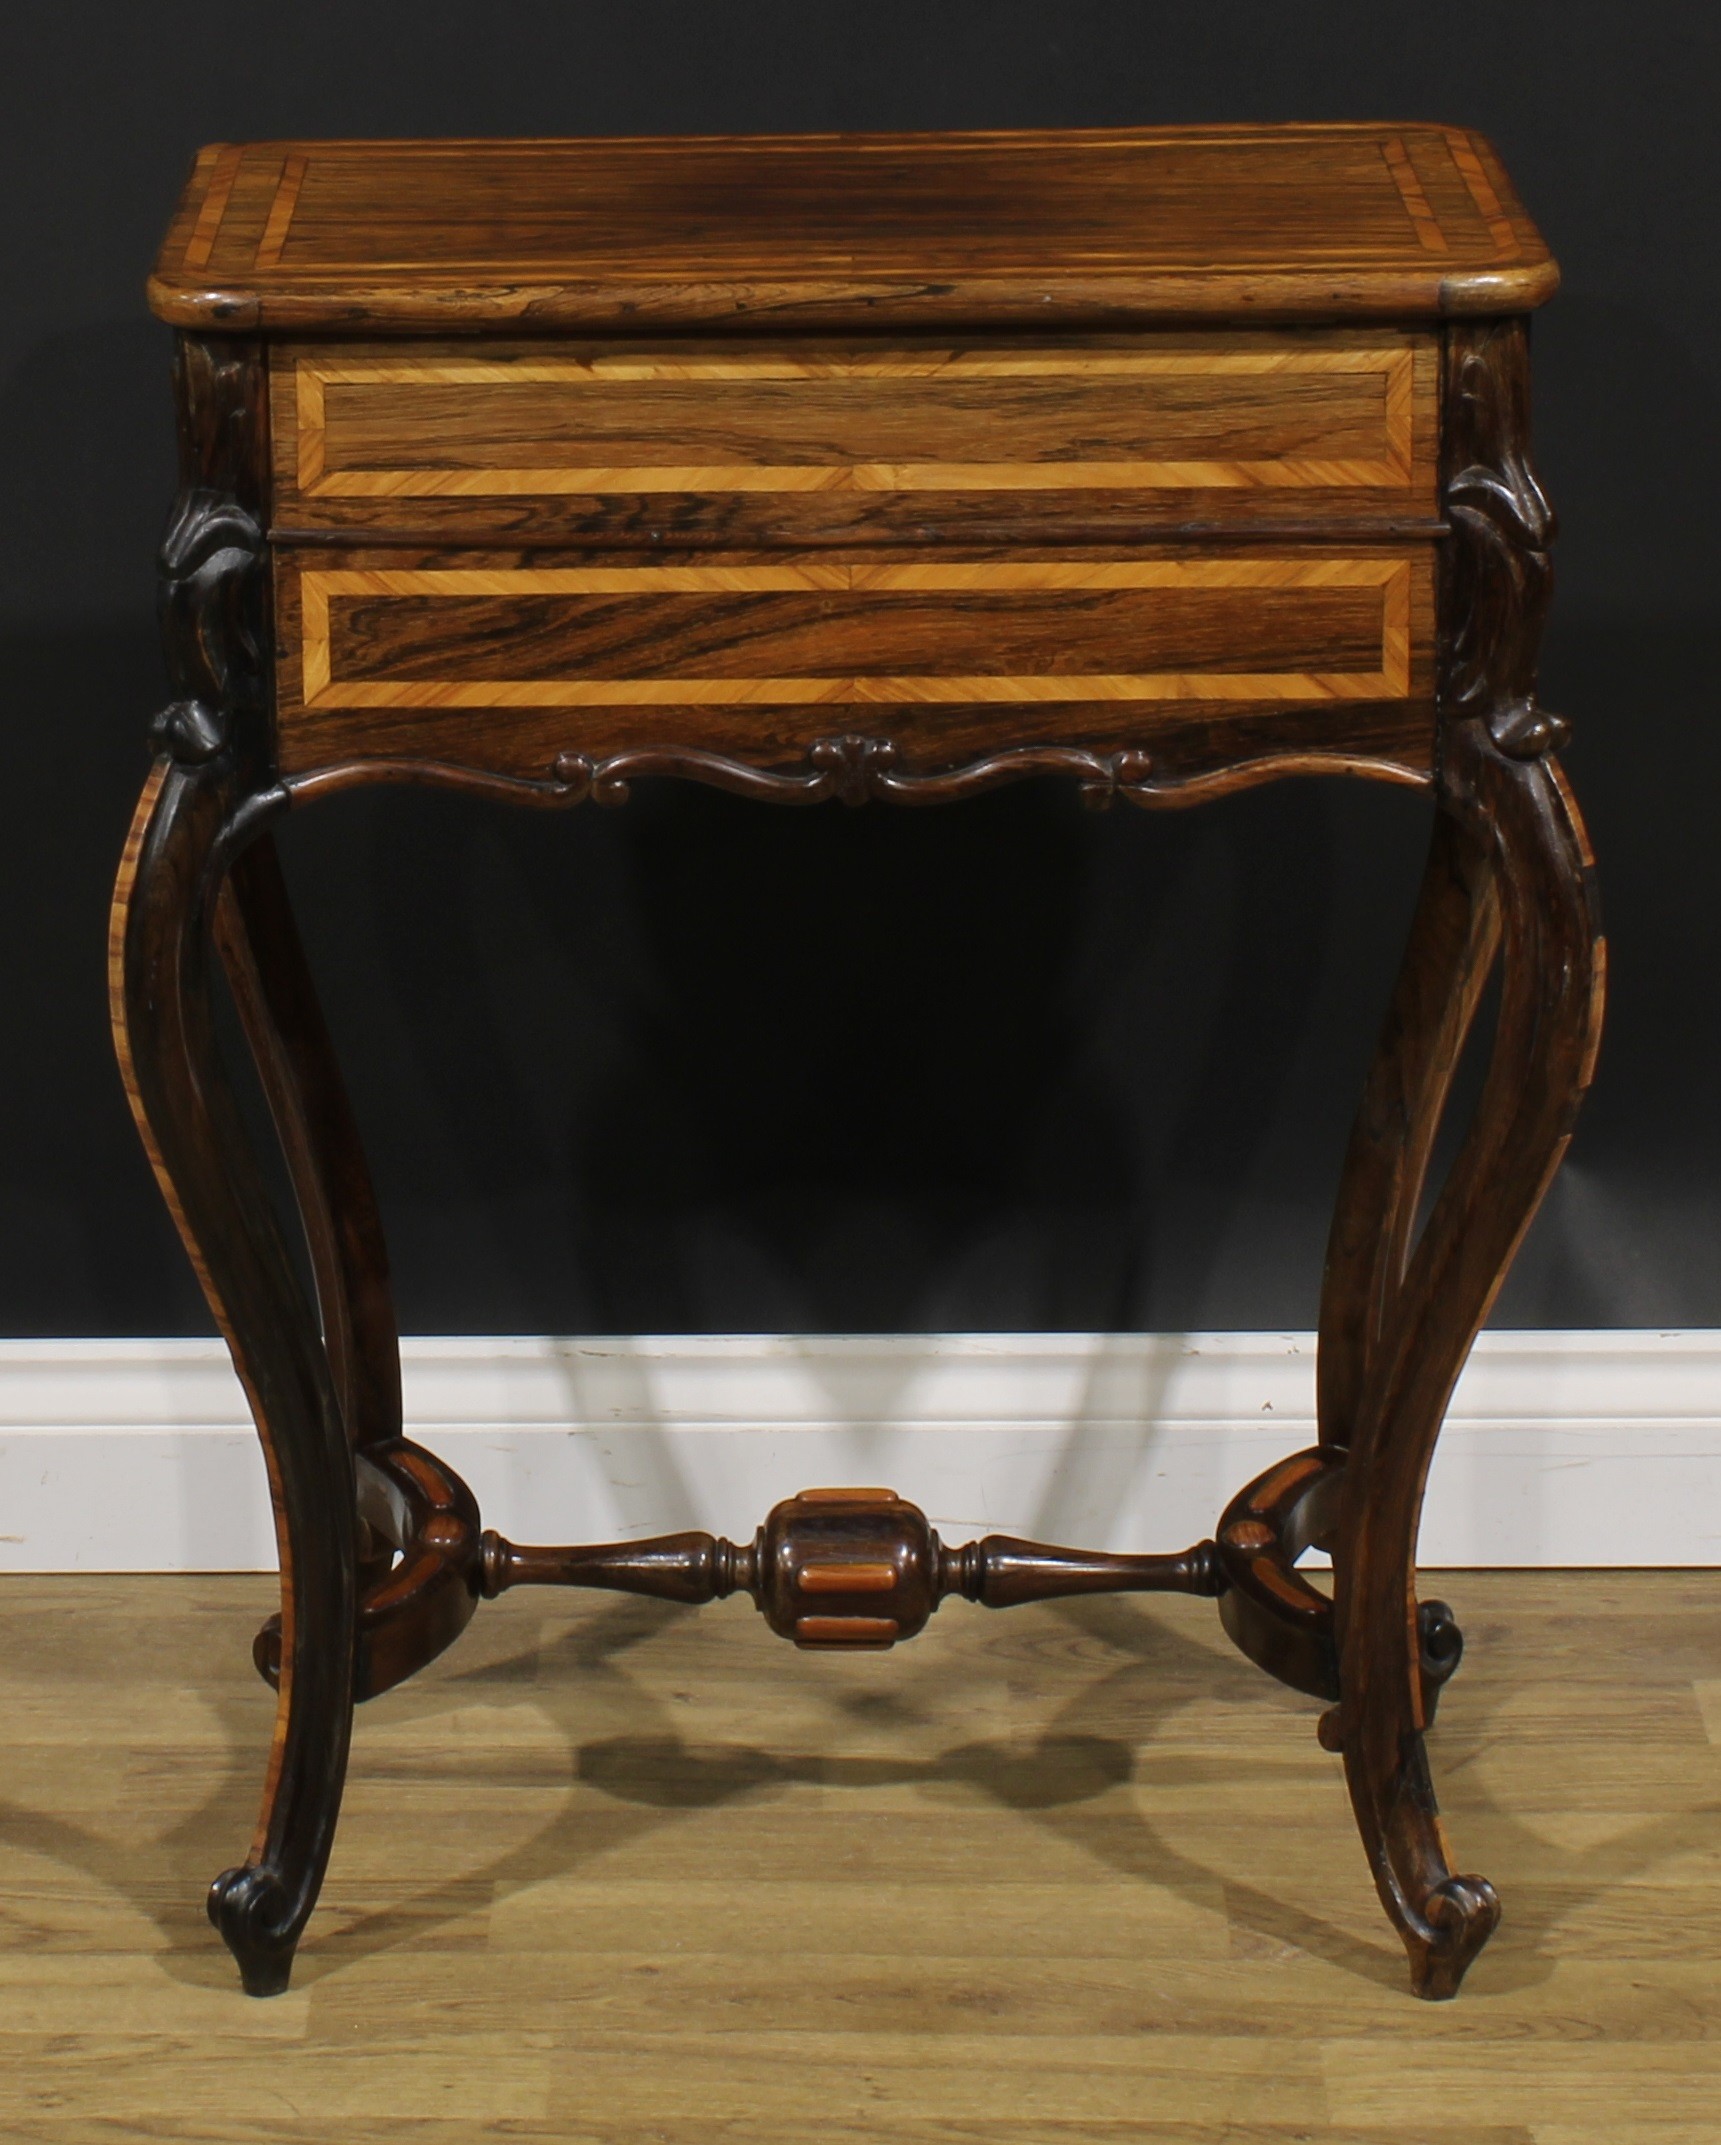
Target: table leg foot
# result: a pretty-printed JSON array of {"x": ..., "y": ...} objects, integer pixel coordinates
[
  {"x": 1462, "y": 1913},
  {"x": 254, "y": 1914},
  {"x": 188, "y": 824}
]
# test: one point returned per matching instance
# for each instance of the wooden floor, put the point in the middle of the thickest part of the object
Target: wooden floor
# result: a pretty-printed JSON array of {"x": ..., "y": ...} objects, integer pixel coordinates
[{"x": 617, "y": 1872}]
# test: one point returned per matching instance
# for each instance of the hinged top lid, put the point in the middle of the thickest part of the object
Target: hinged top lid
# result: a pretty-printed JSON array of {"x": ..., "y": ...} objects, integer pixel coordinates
[{"x": 850, "y": 231}]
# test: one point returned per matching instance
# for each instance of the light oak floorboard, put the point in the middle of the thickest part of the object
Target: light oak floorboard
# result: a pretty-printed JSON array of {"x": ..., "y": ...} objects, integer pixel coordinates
[{"x": 617, "y": 1874}]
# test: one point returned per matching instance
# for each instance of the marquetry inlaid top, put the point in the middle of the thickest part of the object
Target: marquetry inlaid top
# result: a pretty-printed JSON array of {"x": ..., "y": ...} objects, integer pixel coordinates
[{"x": 852, "y": 231}]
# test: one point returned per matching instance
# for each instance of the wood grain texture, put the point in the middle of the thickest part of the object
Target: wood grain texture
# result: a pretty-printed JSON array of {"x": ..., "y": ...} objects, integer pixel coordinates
[
  {"x": 1003, "y": 229},
  {"x": 293, "y": 1054},
  {"x": 1457, "y": 931},
  {"x": 1271, "y": 629},
  {"x": 1074, "y": 1876},
  {"x": 266, "y": 970},
  {"x": 580, "y": 440},
  {"x": 486, "y": 663}
]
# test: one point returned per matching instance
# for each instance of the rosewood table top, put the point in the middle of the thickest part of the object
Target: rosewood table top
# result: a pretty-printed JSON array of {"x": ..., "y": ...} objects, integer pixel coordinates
[{"x": 1132, "y": 226}]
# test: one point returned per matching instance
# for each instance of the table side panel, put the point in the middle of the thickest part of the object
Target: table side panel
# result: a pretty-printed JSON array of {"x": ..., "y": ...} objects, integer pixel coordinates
[
  {"x": 488, "y": 662},
  {"x": 763, "y": 442}
]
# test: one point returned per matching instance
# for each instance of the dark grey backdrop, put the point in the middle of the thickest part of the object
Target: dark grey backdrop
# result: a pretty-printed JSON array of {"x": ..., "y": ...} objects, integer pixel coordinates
[{"x": 703, "y": 1066}]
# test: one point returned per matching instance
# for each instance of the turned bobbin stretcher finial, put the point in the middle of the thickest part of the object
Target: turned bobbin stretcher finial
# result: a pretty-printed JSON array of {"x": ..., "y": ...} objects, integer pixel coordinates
[{"x": 851, "y": 1568}]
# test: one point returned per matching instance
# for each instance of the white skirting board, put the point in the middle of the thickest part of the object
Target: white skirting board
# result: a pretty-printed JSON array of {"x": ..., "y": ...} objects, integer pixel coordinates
[{"x": 1561, "y": 1448}]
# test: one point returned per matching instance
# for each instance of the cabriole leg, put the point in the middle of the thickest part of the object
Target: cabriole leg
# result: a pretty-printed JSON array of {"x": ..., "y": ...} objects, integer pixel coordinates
[
  {"x": 1509, "y": 862},
  {"x": 270, "y": 979},
  {"x": 160, "y": 961}
]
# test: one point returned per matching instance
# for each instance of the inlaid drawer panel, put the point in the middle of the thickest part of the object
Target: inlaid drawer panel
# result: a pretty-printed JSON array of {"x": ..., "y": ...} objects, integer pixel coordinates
[
  {"x": 746, "y": 442},
  {"x": 503, "y": 664}
]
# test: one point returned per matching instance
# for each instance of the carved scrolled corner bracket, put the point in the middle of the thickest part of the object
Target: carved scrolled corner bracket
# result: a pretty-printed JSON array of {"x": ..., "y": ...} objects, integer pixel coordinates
[
  {"x": 212, "y": 588},
  {"x": 1499, "y": 578},
  {"x": 190, "y": 732},
  {"x": 845, "y": 1568}
]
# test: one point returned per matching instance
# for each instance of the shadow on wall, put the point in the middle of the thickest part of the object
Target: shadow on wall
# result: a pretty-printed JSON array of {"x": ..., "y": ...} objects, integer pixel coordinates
[
  {"x": 697, "y": 1065},
  {"x": 85, "y": 1242},
  {"x": 706, "y": 1067},
  {"x": 86, "y": 440},
  {"x": 1628, "y": 441}
]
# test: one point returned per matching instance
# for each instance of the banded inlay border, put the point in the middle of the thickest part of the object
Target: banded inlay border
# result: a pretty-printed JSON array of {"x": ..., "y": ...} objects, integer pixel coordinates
[
  {"x": 1481, "y": 190},
  {"x": 269, "y": 246},
  {"x": 1391, "y": 681},
  {"x": 1416, "y": 202},
  {"x": 223, "y": 172},
  {"x": 1393, "y": 149},
  {"x": 1393, "y": 469}
]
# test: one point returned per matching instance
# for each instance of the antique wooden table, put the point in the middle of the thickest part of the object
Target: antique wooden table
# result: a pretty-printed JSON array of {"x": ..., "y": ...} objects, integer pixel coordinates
[{"x": 888, "y": 468}]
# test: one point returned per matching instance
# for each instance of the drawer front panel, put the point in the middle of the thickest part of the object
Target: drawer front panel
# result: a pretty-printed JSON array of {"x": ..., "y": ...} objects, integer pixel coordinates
[
  {"x": 560, "y": 437},
  {"x": 502, "y": 665}
]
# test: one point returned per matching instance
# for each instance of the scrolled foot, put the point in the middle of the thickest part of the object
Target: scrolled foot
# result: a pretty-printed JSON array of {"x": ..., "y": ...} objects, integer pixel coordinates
[
  {"x": 1460, "y": 1915},
  {"x": 258, "y": 1925}
]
